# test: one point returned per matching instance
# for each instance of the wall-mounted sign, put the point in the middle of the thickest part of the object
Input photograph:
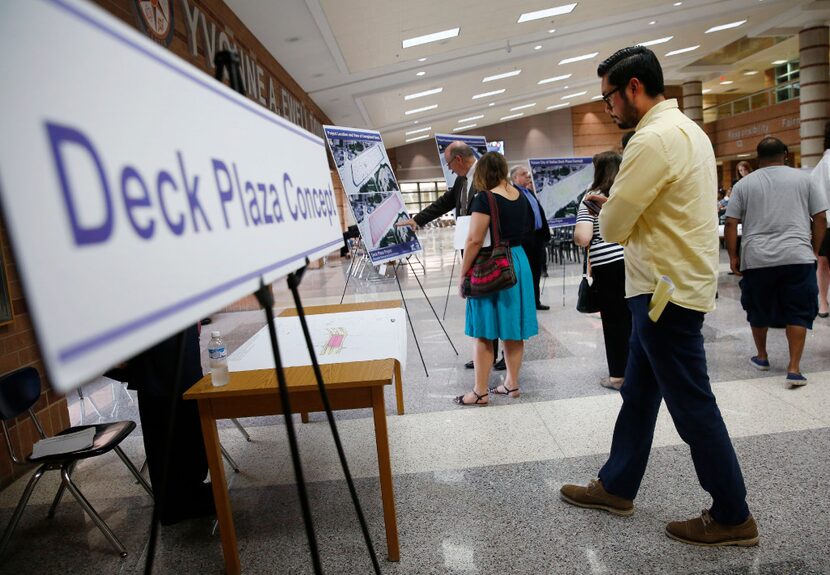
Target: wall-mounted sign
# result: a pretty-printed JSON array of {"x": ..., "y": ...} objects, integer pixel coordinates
[{"x": 131, "y": 215}]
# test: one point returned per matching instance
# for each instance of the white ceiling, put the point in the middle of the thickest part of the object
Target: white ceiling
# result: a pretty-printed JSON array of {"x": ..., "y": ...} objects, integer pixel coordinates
[{"x": 347, "y": 54}]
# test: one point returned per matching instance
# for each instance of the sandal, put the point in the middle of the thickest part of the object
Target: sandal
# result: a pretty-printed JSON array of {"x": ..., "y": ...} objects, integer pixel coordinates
[
  {"x": 459, "y": 399},
  {"x": 507, "y": 391}
]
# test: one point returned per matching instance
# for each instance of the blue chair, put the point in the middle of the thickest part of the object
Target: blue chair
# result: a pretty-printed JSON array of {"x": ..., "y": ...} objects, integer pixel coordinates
[{"x": 19, "y": 390}]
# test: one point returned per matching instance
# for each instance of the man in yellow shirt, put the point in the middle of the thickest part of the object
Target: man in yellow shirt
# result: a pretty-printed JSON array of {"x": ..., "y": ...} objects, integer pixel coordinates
[{"x": 662, "y": 209}]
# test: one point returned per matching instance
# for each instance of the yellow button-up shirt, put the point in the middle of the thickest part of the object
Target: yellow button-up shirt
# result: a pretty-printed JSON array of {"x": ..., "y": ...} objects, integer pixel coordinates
[{"x": 663, "y": 209}]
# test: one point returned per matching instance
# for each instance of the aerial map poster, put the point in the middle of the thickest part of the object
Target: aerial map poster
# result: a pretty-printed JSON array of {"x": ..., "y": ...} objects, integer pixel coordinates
[
  {"x": 560, "y": 184},
  {"x": 373, "y": 192}
]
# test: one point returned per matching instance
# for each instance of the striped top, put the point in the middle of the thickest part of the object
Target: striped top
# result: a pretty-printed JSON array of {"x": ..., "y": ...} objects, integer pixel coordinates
[{"x": 601, "y": 252}]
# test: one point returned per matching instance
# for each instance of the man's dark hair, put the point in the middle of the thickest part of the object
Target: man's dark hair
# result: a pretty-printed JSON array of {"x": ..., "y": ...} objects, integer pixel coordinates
[
  {"x": 771, "y": 148},
  {"x": 827, "y": 136},
  {"x": 634, "y": 62}
]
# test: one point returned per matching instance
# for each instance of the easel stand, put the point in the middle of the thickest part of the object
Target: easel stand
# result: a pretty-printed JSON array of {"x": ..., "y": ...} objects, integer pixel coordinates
[{"x": 449, "y": 287}]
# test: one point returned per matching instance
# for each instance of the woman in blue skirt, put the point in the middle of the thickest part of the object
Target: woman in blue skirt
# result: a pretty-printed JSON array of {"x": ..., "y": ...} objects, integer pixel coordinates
[{"x": 510, "y": 314}]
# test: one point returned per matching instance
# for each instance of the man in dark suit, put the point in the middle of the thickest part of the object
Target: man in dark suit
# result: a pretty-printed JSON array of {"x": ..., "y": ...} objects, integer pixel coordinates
[
  {"x": 461, "y": 160},
  {"x": 534, "y": 245}
]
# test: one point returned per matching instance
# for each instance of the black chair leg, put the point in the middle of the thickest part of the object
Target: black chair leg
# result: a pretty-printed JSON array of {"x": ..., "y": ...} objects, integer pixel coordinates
[
  {"x": 76, "y": 493},
  {"x": 21, "y": 505},
  {"x": 61, "y": 490}
]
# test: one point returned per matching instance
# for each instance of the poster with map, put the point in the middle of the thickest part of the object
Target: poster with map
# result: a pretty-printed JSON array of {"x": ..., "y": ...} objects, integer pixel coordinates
[
  {"x": 560, "y": 184},
  {"x": 477, "y": 143},
  {"x": 372, "y": 192}
]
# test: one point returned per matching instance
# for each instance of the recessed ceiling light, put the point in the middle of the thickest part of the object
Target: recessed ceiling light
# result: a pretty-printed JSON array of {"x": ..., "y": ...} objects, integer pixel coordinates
[
  {"x": 417, "y": 138},
  {"x": 657, "y": 41},
  {"x": 537, "y": 47},
  {"x": 502, "y": 76},
  {"x": 725, "y": 26},
  {"x": 523, "y": 107},
  {"x": 706, "y": 90},
  {"x": 597, "y": 97},
  {"x": 424, "y": 93},
  {"x": 420, "y": 73},
  {"x": 491, "y": 104},
  {"x": 419, "y": 130},
  {"x": 779, "y": 62},
  {"x": 744, "y": 155},
  {"x": 511, "y": 116},
  {"x": 547, "y": 13},
  {"x": 554, "y": 79},
  {"x": 434, "y": 37},
  {"x": 415, "y": 122},
  {"x": 552, "y": 30},
  {"x": 488, "y": 94},
  {"x": 678, "y": 3},
  {"x": 683, "y": 50},
  {"x": 575, "y": 95},
  {"x": 750, "y": 72},
  {"x": 652, "y": 23},
  {"x": 471, "y": 118},
  {"x": 424, "y": 59},
  {"x": 424, "y": 109},
  {"x": 467, "y": 127},
  {"x": 726, "y": 82},
  {"x": 578, "y": 58},
  {"x": 558, "y": 106}
]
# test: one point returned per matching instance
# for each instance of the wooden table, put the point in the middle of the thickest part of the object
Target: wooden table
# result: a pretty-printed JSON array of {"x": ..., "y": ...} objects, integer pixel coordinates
[{"x": 353, "y": 385}]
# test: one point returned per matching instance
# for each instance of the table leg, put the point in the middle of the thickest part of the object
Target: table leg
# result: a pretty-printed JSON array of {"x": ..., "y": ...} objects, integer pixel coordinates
[
  {"x": 385, "y": 470},
  {"x": 304, "y": 416},
  {"x": 220, "y": 488},
  {"x": 399, "y": 387}
]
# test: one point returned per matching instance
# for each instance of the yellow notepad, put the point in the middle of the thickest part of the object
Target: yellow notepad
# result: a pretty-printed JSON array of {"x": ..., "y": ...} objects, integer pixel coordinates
[{"x": 665, "y": 287}]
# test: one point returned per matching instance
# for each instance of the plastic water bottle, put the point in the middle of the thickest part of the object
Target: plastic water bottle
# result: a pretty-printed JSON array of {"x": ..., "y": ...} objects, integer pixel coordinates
[{"x": 218, "y": 354}]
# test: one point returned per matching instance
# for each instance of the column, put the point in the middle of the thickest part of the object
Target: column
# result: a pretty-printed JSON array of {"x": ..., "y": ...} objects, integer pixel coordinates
[
  {"x": 693, "y": 101},
  {"x": 813, "y": 52}
]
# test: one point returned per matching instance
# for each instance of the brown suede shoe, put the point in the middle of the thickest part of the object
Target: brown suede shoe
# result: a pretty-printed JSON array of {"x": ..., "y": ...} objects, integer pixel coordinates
[
  {"x": 707, "y": 532},
  {"x": 594, "y": 496}
]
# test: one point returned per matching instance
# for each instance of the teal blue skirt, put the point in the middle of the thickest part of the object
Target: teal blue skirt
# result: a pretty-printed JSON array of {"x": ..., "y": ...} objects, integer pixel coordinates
[{"x": 509, "y": 314}]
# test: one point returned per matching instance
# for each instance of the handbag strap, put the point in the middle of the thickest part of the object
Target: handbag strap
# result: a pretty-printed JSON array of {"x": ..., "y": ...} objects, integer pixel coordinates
[
  {"x": 494, "y": 216},
  {"x": 585, "y": 261}
]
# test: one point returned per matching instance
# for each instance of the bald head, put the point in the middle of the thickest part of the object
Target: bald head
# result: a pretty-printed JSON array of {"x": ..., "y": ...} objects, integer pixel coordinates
[{"x": 459, "y": 157}]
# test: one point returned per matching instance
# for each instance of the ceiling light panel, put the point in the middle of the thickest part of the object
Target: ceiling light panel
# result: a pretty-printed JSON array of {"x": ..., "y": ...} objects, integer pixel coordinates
[
  {"x": 488, "y": 94},
  {"x": 427, "y": 129},
  {"x": 557, "y": 106},
  {"x": 428, "y": 38},
  {"x": 511, "y": 116},
  {"x": 467, "y": 127},
  {"x": 471, "y": 118},
  {"x": 554, "y": 79},
  {"x": 578, "y": 58},
  {"x": 424, "y": 93},
  {"x": 575, "y": 95},
  {"x": 523, "y": 107},
  {"x": 547, "y": 13},
  {"x": 725, "y": 26},
  {"x": 502, "y": 76},
  {"x": 417, "y": 138},
  {"x": 683, "y": 50},
  {"x": 655, "y": 42},
  {"x": 418, "y": 110}
]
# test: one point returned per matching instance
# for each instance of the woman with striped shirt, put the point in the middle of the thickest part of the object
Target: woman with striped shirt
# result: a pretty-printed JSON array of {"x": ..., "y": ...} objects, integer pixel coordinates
[{"x": 608, "y": 271}]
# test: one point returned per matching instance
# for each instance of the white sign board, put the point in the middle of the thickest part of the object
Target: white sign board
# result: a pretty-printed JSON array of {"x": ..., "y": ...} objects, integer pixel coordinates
[{"x": 140, "y": 193}]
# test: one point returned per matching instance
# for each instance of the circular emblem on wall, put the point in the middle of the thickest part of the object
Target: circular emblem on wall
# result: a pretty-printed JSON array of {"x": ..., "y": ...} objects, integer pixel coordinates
[{"x": 155, "y": 18}]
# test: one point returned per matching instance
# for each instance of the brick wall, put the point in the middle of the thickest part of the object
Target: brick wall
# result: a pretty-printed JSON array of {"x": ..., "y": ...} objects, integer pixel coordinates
[{"x": 18, "y": 348}]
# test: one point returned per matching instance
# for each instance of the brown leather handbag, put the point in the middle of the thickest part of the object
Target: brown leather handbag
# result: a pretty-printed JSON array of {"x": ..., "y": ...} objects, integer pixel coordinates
[{"x": 493, "y": 269}]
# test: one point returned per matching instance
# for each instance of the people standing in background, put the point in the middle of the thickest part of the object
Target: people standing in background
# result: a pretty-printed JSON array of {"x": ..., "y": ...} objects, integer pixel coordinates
[
  {"x": 742, "y": 170},
  {"x": 535, "y": 243},
  {"x": 608, "y": 271},
  {"x": 820, "y": 179},
  {"x": 461, "y": 161},
  {"x": 775, "y": 204},
  {"x": 509, "y": 314},
  {"x": 661, "y": 209}
]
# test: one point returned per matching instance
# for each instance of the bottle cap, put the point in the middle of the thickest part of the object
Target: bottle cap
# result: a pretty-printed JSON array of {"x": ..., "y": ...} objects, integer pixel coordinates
[{"x": 216, "y": 334}]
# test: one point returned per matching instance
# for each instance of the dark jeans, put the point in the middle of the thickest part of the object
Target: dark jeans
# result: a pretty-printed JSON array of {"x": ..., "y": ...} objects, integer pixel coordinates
[
  {"x": 667, "y": 360},
  {"x": 616, "y": 317}
]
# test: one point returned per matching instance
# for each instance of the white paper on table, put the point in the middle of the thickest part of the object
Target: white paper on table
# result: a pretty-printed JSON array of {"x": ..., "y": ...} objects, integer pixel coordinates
[
  {"x": 462, "y": 228},
  {"x": 337, "y": 338}
]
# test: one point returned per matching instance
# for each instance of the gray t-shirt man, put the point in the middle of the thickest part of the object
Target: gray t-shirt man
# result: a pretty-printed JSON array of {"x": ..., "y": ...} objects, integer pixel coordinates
[{"x": 774, "y": 205}]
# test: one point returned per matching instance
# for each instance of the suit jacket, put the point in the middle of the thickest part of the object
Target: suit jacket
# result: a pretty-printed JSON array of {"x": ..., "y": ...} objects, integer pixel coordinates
[
  {"x": 449, "y": 200},
  {"x": 542, "y": 235}
]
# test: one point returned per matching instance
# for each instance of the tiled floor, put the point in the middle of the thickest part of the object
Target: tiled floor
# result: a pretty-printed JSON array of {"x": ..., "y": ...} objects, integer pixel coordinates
[{"x": 476, "y": 489}]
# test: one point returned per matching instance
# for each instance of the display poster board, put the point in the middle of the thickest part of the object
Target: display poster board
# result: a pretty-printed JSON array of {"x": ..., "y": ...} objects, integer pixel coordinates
[
  {"x": 140, "y": 194},
  {"x": 373, "y": 193},
  {"x": 560, "y": 184},
  {"x": 496, "y": 146},
  {"x": 477, "y": 143}
]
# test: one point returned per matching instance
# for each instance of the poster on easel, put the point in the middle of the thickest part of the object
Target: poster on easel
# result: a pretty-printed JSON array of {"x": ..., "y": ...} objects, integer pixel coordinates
[
  {"x": 477, "y": 143},
  {"x": 560, "y": 185},
  {"x": 373, "y": 193}
]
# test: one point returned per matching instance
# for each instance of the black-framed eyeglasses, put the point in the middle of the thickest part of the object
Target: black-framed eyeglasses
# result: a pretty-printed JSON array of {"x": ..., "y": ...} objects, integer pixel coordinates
[
  {"x": 451, "y": 160},
  {"x": 607, "y": 97}
]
